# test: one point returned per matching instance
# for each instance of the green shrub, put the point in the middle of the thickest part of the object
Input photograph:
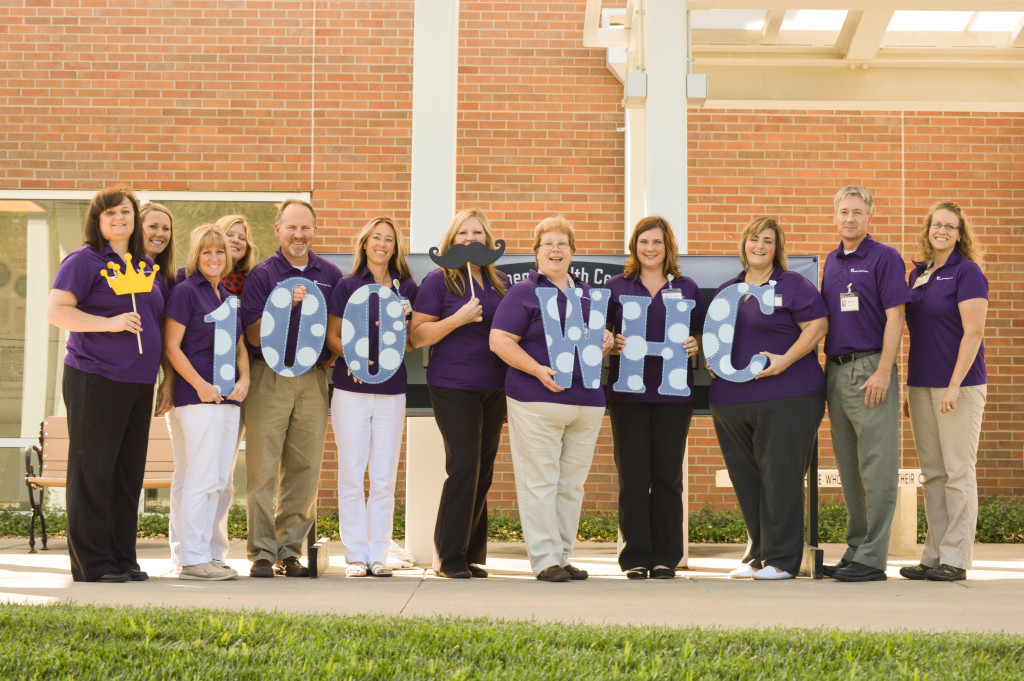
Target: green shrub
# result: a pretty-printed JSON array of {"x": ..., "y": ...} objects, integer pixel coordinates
[{"x": 1001, "y": 521}]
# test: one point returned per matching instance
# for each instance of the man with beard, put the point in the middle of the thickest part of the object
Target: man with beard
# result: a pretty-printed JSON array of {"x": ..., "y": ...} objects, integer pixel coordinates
[{"x": 285, "y": 416}]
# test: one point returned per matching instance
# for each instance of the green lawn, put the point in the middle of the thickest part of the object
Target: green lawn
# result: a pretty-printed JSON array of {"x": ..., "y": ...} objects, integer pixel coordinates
[{"x": 75, "y": 642}]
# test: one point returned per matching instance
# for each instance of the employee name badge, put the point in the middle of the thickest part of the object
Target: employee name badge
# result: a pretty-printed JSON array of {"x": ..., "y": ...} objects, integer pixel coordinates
[
  {"x": 778, "y": 300},
  {"x": 671, "y": 294},
  {"x": 849, "y": 301}
]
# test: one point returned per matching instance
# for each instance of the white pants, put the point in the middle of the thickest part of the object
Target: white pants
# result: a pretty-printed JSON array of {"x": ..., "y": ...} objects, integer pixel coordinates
[
  {"x": 204, "y": 438},
  {"x": 947, "y": 445},
  {"x": 552, "y": 447},
  {"x": 368, "y": 430}
]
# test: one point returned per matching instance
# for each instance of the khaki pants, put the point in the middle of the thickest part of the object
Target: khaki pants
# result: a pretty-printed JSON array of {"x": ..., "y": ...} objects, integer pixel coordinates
[
  {"x": 286, "y": 425},
  {"x": 866, "y": 444},
  {"x": 552, "y": 447},
  {"x": 947, "y": 445}
]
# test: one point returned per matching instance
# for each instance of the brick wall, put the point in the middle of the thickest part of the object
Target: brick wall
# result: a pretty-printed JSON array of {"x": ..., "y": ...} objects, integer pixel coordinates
[{"x": 316, "y": 96}]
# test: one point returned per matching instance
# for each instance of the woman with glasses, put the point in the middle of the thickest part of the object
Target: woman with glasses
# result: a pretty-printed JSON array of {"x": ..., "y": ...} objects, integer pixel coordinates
[
  {"x": 368, "y": 418},
  {"x": 946, "y": 379},
  {"x": 552, "y": 430}
]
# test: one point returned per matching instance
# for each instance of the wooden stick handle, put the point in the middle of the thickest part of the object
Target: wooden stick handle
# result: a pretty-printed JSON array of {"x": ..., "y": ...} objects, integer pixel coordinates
[{"x": 138, "y": 336}]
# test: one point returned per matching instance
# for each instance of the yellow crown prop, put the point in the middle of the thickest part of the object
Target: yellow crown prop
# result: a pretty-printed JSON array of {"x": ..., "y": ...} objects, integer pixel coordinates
[{"x": 129, "y": 280}]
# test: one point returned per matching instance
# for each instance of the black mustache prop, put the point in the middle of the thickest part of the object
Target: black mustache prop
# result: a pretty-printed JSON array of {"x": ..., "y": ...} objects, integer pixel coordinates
[{"x": 475, "y": 252}]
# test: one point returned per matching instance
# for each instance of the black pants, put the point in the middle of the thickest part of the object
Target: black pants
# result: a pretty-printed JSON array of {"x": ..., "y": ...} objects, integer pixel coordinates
[
  {"x": 108, "y": 429},
  {"x": 650, "y": 440},
  {"x": 470, "y": 422},
  {"x": 767, "y": 448}
]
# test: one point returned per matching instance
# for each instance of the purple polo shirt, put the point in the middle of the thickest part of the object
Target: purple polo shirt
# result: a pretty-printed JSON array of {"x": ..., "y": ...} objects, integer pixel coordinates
[
  {"x": 112, "y": 355},
  {"x": 519, "y": 314},
  {"x": 875, "y": 272},
  {"x": 621, "y": 286},
  {"x": 936, "y": 329},
  {"x": 191, "y": 300},
  {"x": 462, "y": 359},
  {"x": 775, "y": 333},
  {"x": 262, "y": 280},
  {"x": 336, "y": 306}
]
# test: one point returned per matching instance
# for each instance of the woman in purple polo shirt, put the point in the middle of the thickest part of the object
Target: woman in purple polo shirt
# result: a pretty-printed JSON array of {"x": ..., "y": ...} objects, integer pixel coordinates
[
  {"x": 108, "y": 387},
  {"x": 466, "y": 383},
  {"x": 158, "y": 240},
  {"x": 947, "y": 389},
  {"x": 767, "y": 427},
  {"x": 204, "y": 422},
  {"x": 649, "y": 428},
  {"x": 368, "y": 418},
  {"x": 243, "y": 251},
  {"x": 552, "y": 430},
  {"x": 158, "y": 233}
]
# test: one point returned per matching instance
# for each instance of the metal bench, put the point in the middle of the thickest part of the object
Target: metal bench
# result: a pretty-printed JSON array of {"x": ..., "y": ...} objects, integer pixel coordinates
[{"x": 52, "y": 466}]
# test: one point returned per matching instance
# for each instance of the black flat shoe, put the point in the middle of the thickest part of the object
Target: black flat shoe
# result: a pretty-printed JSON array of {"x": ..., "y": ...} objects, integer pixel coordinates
[
  {"x": 636, "y": 573},
  {"x": 136, "y": 575},
  {"x": 859, "y": 572},
  {"x": 454, "y": 574},
  {"x": 662, "y": 572},
  {"x": 477, "y": 571},
  {"x": 830, "y": 570},
  {"x": 112, "y": 578}
]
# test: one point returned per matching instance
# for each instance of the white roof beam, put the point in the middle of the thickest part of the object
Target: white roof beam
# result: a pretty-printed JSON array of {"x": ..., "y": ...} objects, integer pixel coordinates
[
  {"x": 772, "y": 26},
  {"x": 1018, "y": 35},
  {"x": 868, "y": 31}
]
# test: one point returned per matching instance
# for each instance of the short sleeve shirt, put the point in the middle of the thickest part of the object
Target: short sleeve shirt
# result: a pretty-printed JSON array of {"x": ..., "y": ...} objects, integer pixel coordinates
[
  {"x": 876, "y": 273},
  {"x": 796, "y": 302},
  {"x": 519, "y": 314},
  {"x": 191, "y": 300},
  {"x": 936, "y": 328},
  {"x": 114, "y": 356},
  {"x": 396, "y": 384},
  {"x": 261, "y": 282},
  {"x": 633, "y": 286},
  {"x": 462, "y": 359}
]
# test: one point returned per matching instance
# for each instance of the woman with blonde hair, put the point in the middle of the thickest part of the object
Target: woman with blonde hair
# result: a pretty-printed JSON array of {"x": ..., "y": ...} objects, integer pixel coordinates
[
  {"x": 243, "y": 251},
  {"x": 204, "y": 423},
  {"x": 466, "y": 384},
  {"x": 947, "y": 387},
  {"x": 158, "y": 239},
  {"x": 368, "y": 418},
  {"x": 767, "y": 427},
  {"x": 552, "y": 430}
]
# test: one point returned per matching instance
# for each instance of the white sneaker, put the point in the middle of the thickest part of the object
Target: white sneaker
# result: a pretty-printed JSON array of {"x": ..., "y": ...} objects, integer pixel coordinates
[
  {"x": 771, "y": 572},
  {"x": 744, "y": 571},
  {"x": 207, "y": 572},
  {"x": 217, "y": 562}
]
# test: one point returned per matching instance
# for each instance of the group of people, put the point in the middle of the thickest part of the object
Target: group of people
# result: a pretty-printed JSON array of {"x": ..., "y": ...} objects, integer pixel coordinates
[
  {"x": 489, "y": 362},
  {"x": 767, "y": 427}
]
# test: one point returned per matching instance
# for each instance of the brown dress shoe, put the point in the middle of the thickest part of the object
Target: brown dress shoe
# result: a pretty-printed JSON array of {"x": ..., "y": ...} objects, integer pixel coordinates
[
  {"x": 554, "y": 573},
  {"x": 262, "y": 568},
  {"x": 575, "y": 573},
  {"x": 291, "y": 567}
]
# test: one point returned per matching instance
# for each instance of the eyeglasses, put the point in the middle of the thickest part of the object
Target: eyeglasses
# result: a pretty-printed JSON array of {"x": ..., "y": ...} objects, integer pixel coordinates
[
  {"x": 561, "y": 245},
  {"x": 948, "y": 228}
]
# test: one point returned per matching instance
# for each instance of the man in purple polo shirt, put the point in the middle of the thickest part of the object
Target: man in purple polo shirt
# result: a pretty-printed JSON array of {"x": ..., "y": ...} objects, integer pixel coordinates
[
  {"x": 864, "y": 287},
  {"x": 285, "y": 416}
]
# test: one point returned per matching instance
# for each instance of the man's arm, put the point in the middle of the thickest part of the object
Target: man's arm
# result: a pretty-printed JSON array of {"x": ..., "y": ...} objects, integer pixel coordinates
[{"x": 877, "y": 385}]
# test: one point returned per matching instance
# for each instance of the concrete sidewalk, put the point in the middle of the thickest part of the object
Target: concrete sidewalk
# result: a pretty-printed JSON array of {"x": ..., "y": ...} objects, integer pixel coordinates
[{"x": 703, "y": 595}]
